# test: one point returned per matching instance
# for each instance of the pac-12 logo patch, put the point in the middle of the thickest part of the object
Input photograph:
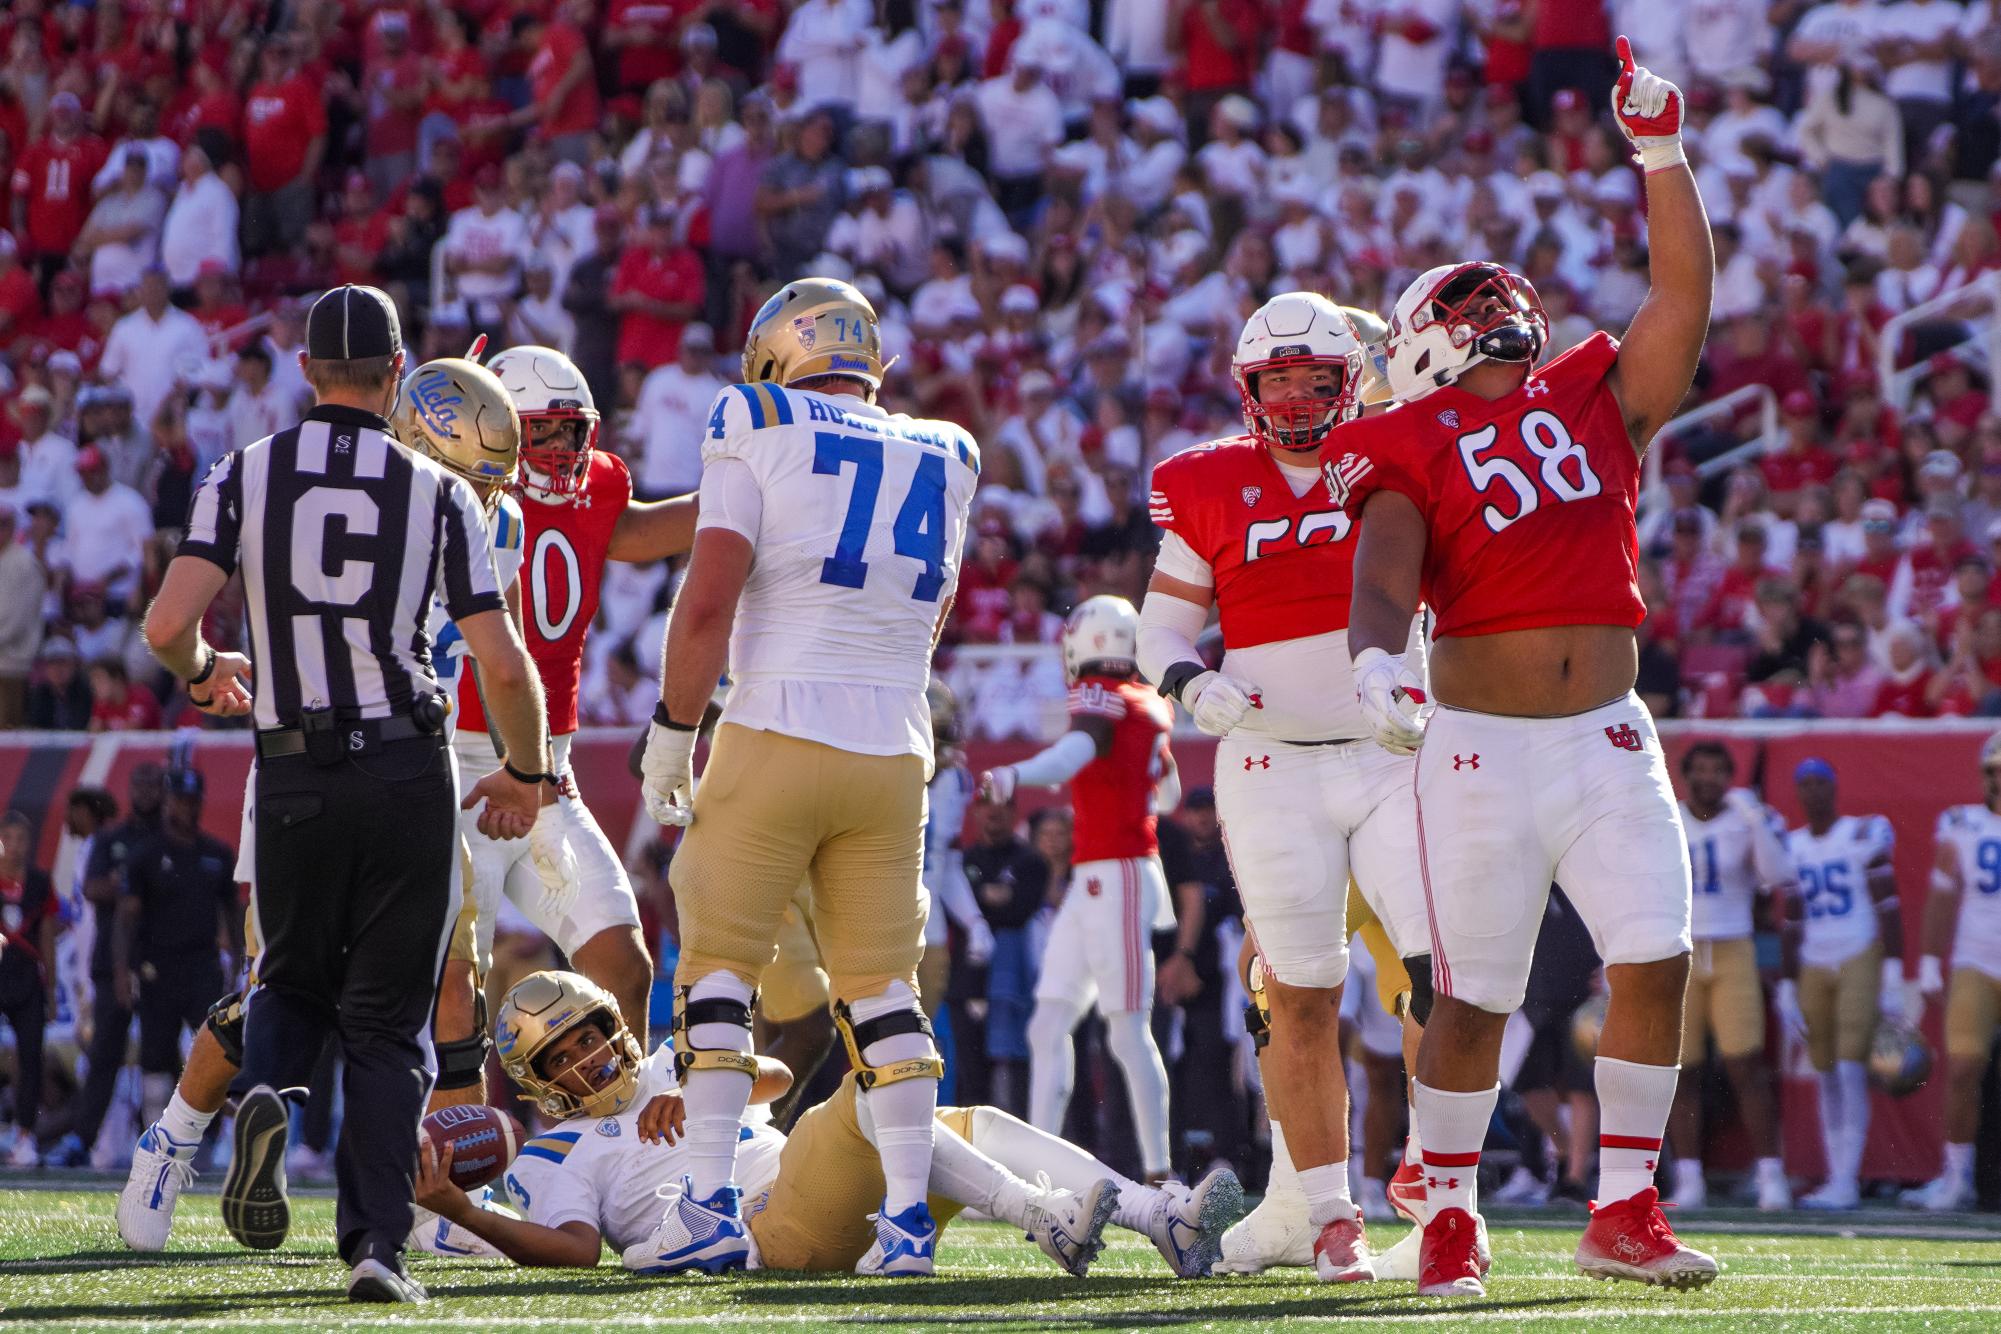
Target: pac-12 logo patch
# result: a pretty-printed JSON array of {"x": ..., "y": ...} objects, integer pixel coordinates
[
  {"x": 806, "y": 328},
  {"x": 1449, "y": 419},
  {"x": 1252, "y": 495},
  {"x": 609, "y": 1127}
]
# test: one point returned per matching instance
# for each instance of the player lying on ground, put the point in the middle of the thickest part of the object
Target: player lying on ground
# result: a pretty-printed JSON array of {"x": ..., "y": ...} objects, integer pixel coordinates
[{"x": 615, "y": 1169}]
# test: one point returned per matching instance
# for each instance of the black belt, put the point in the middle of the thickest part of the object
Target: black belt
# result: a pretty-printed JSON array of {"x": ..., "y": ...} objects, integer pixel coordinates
[
  {"x": 1330, "y": 741},
  {"x": 281, "y": 742}
]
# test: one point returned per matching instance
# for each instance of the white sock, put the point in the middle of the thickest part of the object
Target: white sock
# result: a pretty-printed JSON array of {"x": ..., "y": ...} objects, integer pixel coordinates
[
  {"x": 1959, "y": 1160},
  {"x": 1688, "y": 1175},
  {"x": 960, "y": 1172},
  {"x": 903, "y": 1113},
  {"x": 1326, "y": 1193},
  {"x": 1770, "y": 1169},
  {"x": 1855, "y": 1110},
  {"x": 1833, "y": 1121},
  {"x": 1455, "y": 1129},
  {"x": 1023, "y": 1150},
  {"x": 1633, "y": 1103},
  {"x": 715, "y": 1099},
  {"x": 1284, "y": 1177},
  {"x": 1413, "y": 1148},
  {"x": 182, "y": 1123},
  {"x": 1052, "y": 1064},
  {"x": 1131, "y": 1041}
]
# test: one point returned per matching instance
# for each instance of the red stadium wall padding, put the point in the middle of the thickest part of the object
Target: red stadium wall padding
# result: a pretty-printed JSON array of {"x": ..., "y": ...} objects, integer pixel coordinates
[{"x": 1906, "y": 771}]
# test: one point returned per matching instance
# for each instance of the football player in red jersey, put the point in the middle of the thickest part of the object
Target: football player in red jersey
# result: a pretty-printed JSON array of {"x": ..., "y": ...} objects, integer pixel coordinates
[
  {"x": 1503, "y": 494},
  {"x": 1121, "y": 774},
  {"x": 1304, "y": 796},
  {"x": 578, "y": 512}
]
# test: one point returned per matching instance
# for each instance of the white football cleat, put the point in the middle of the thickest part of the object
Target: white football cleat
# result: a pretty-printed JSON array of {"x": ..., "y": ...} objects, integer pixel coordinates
[
  {"x": 1069, "y": 1227},
  {"x": 1947, "y": 1193},
  {"x": 162, "y": 1167},
  {"x": 1398, "y": 1264},
  {"x": 906, "y": 1244},
  {"x": 1833, "y": 1195},
  {"x": 1691, "y": 1190},
  {"x": 1188, "y": 1229},
  {"x": 374, "y": 1281},
  {"x": 1522, "y": 1187},
  {"x": 1775, "y": 1193},
  {"x": 693, "y": 1235},
  {"x": 1276, "y": 1234}
]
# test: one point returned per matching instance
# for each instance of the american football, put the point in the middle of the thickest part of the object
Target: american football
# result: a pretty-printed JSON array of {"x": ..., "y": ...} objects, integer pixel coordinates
[{"x": 483, "y": 1141}]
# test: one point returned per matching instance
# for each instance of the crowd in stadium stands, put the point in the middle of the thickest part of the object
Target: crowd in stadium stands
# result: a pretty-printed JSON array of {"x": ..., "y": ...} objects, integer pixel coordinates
[{"x": 1063, "y": 210}]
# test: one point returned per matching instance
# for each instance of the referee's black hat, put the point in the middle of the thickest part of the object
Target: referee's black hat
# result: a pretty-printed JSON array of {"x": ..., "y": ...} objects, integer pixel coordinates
[{"x": 353, "y": 324}]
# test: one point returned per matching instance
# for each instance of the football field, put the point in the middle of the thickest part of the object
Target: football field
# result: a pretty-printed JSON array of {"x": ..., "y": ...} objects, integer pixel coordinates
[{"x": 62, "y": 1267}]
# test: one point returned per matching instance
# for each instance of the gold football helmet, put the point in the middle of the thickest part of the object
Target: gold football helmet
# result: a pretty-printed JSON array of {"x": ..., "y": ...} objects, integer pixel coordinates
[
  {"x": 537, "y": 1011},
  {"x": 1373, "y": 332},
  {"x": 458, "y": 413},
  {"x": 812, "y": 327}
]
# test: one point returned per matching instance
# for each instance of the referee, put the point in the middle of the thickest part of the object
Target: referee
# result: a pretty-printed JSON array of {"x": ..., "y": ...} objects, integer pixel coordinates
[{"x": 344, "y": 540}]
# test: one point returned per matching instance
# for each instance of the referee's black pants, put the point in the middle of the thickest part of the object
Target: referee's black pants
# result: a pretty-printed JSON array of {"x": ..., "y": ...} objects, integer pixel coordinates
[{"x": 357, "y": 885}]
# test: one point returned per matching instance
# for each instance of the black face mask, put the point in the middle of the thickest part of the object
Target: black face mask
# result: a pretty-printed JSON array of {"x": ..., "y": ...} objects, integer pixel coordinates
[{"x": 1511, "y": 342}]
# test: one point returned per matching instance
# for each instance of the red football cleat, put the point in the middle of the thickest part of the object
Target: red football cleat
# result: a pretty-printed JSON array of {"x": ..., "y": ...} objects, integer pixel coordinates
[
  {"x": 1406, "y": 1192},
  {"x": 1341, "y": 1252},
  {"x": 1448, "y": 1262},
  {"x": 1631, "y": 1239}
]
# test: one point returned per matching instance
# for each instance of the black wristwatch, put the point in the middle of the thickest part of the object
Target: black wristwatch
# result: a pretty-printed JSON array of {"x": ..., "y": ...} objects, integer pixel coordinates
[
  {"x": 207, "y": 668},
  {"x": 520, "y": 777},
  {"x": 660, "y": 716}
]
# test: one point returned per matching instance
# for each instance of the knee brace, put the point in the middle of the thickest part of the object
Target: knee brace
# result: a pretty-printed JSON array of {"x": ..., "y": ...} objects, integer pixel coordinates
[
  {"x": 225, "y": 1020},
  {"x": 1419, "y": 968},
  {"x": 1257, "y": 1011},
  {"x": 713, "y": 1010},
  {"x": 861, "y": 1036},
  {"x": 462, "y": 1061}
]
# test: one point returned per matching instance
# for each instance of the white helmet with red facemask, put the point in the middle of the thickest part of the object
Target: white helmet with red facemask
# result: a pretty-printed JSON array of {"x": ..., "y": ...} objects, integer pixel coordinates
[
  {"x": 1298, "y": 329},
  {"x": 1456, "y": 316},
  {"x": 559, "y": 419}
]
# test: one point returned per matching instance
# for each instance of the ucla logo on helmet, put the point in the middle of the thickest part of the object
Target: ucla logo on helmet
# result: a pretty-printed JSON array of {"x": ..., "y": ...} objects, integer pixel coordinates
[
  {"x": 845, "y": 363},
  {"x": 505, "y": 1035},
  {"x": 437, "y": 399}
]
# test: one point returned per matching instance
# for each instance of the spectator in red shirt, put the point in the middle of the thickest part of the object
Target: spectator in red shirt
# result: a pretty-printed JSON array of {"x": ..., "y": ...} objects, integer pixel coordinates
[
  {"x": 1747, "y": 356},
  {"x": 284, "y": 138},
  {"x": 20, "y": 303},
  {"x": 656, "y": 290},
  {"x": 116, "y": 705},
  {"x": 205, "y": 112},
  {"x": 1218, "y": 41},
  {"x": 361, "y": 232},
  {"x": 1801, "y": 461},
  {"x": 66, "y": 324},
  {"x": 1907, "y": 691},
  {"x": 985, "y": 598},
  {"x": 1970, "y": 682},
  {"x": 1956, "y": 398},
  {"x": 1921, "y": 587},
  {"x": 1572, "y": 43},
  {"x": 216, "y": 309},
  {"x": 393, "y": 89},
  {"x": 1727, "y": 618},
  {"x": 561, "y": 81},
  {"x": 644, "y": 34},
  {"x": 52, "y": 183}
]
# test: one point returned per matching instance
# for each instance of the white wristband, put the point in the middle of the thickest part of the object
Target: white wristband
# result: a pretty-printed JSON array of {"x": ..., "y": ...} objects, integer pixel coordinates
[
  {"x": 1660, "y": 153},
  {"x": 1893, "y": 974}
]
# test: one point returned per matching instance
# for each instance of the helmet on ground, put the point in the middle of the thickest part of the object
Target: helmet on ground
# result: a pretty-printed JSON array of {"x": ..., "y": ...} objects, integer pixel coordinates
[
  {"x": 1900, "y": 1060},
  {"x": 1298, "y": 329},
  {"x": 814, "y": 327},
  {"x": 1102, "y": 632},
  {"x": 1456, "y": 316},
  {"x": 535, "y": 1015},
  {"x": 559, "y": 418},
  {"x": 457, "y": 413}
]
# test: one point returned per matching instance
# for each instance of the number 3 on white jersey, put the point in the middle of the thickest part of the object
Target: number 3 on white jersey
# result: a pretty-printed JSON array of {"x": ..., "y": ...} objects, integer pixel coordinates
[{"x": 1548, "y": 439}]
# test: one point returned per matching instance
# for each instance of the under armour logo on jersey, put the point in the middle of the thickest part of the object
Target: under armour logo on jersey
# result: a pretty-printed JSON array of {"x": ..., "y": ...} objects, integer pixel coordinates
[
  {"x": 1252, "y": 495},
  {"x": 1536, "y": 388},
  {"x": 1093, "y": 888},
  {"x": 1261, "y": 761},
  {"x": 1650, "y": 1164},
  {"x": 1449, "y": 419},
  {"x": 1624, "y": 737},
  {"x": 1342, "y": 474},
  {"x": 1465, "y": 761}
]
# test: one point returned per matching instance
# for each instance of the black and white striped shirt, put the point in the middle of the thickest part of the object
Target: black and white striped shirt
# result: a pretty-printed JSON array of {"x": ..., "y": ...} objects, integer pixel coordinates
[{"x": 344, "y": 538}]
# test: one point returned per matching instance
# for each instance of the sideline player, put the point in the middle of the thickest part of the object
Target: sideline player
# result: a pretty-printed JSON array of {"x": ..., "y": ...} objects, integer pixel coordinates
[
  {"x": 464, "y": 435},
  {"x": 1964, "y": 910},
  {"x": 809, "y": 1194},
  {"x": 1736, "y": 853},
  {"x": 1303, "y": 793},
  {"x": 1846, "y": 933},
  {"x": 1122, "y": 775},
  {"x": 576, "y": 501},
  {"x": 824, "y": 567},
  {"x": 1502, "y": 494}
]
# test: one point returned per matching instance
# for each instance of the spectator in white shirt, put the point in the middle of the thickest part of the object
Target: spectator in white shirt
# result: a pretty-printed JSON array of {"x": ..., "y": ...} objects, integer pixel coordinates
[
  {"x": 48, "y": 460},
  {"x": 201, "y": 222},
  {"x": 154, "y": 347},
  {"x": 1739, "y": 289},
  {"x": 483, "y": 249},
  {"x": 1024, "y": 121},
  {"x": 211, "y": 433},
  {"x": 885, "y": 231},
  {"x": 1079, "y": 71},
  {"x": 672, "y": 412},
  {"x": 824, "y": 40},
  {"x": 1417, "y": 40},
  {"x": 1723, "y": 36},
  {"x": 106, "y": 526},
  {"x": 1232, "y": 163},
  {"x": 1916, "y": 41},
  {"x": 1136, "y": 37},
  {"x": 260, "y": 406},
  {"x": 1149, "y": 178},
  {"x": 122, "y": 235},
  {"x": 537, "y": 315},
  {"x": 894, "y": 47}
]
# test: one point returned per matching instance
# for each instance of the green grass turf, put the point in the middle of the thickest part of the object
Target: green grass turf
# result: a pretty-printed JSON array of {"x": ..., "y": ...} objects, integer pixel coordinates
[{"x": 62, "y": 1267}]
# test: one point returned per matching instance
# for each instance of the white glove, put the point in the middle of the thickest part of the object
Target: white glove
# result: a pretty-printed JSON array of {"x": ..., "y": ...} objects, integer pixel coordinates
[
  {"x": 1218, "y": 702},
  {"x": 1931, "y": 978},
  {"x": 1391, "y": 697},
  {"x": 667, "y": 773},
  {"x": 997, "y": 785},
  {"x": 1786, "y": 999},
  {"x": 555, "y": 863},
  {"x": 1744, "y": 802},
  {"x": 979, "y": 942}
]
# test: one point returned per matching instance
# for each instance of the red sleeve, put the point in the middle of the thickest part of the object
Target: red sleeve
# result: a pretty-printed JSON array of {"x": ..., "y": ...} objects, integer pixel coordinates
[
  {"x": 316, "y": 110},
  {"x": 1169, "y": 503},
  {"x": 1591, "y": 360},
  {"x": 621, "y": 277}
]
